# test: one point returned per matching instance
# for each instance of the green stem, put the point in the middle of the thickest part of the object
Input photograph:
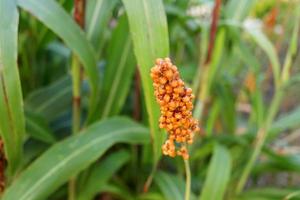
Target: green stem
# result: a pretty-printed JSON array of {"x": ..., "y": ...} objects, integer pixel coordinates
[
  {"x": 149, "y": 179},
  {"x": 202, "y": 93},
  {"x": 263, "y": 132},
  {"x": 292, "y": 195},
  {"x": 76, "y": 80},
  {"x": 76, "y": 115},
  {"x": 260, "y": 140},
  {"x": 188, "y": 179}
]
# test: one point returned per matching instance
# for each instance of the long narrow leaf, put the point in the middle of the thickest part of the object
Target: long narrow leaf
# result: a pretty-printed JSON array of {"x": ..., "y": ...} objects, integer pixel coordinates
[
  {"x": 218, "y": 175},
  {"x": 148, "y": 27},
  {"x": 101, "y": 172},
  {"x": 168, "y": 184},
  {"x": 119, "y": 70},
  {"x": 69, "y": 157},
  {"x": 12, "y": 125},
  {"x": 60, "y": 22},
  {"x": 51, "y": 101},
  {"x": 37, "y": 128},
  {"x": 261, "y": 39},
  {"x": 98, "y": 15}
]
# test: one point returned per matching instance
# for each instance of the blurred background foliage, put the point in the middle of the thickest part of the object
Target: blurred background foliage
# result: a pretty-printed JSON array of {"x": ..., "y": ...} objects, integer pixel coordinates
[{"x": 245, "y": 75}]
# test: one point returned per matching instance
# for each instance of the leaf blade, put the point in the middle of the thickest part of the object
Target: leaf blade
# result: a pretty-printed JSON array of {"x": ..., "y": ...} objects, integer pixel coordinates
[
  {"x": 12, "y": 126},
  {"x": 148, "y": 27},
  {"x": 71, "y": 156},
  {"x": 55, "y": 18},
  {"x": 218, "y": 175},
  {"x": 119, "y": 70},
  {"x": 101, "y": 173}
]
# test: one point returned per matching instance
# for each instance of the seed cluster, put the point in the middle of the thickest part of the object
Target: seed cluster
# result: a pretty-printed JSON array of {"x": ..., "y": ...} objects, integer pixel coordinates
[{"x": 176, "y": 106}]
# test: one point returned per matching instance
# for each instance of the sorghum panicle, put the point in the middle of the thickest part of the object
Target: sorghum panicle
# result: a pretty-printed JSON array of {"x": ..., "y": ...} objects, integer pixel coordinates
[{"x": 176, "y": 106}]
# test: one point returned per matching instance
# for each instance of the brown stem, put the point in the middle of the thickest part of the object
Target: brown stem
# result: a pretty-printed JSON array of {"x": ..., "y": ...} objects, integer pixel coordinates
[
  {"x": 2, "y": 167},
  {"x": 213, "y": 30},
  {"x": 79, "y": 12},
  {"x": 77, "y": 74},
  {"x": 137, "y": 95}
]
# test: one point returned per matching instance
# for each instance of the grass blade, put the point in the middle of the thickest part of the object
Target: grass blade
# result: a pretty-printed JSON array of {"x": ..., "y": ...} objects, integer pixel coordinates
[
  {"x": 149, "y": 32},
  {"x": 218, "y": 175},
  {"x": 98, "y": 14},
  {"x": 169, "y": 187},
  {"x": 69, "y": 157},
  {"x": 119, "y": 70},
  {"x": 37, "y": 128},
  {"x": 238, "y": 10},
  {"x": 12, "y": 126},
  {"x": 51, "y": 101},
  {"x": 101, "y": 172},
  {"x": 261, "y": 39},
  {"x": 50, "y": 13}
]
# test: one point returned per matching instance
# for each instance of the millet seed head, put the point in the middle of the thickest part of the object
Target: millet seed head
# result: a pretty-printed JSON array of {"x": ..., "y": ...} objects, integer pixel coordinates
[{"x": 175, "y": 101}]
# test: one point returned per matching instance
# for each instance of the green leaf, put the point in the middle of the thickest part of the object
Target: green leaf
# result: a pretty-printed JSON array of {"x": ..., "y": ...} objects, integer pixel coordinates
[
  {"x": 69, "y": 157},
  {"x": 97, "y": 16},
  {"x": 238, "y": 10},
  {"x": 118, "y": 71},
  {"x": 261, "y": 39},
  {"x": 267, "y": 194},
  {"x": 50, "y": 13},
  {"x": 101, "y": 172},
  {"x": 168, "y": 184},
  {"x": 12, "y": 126},
  {"x": 118, "y": 190},
  {"x": 218, "y": 175},
  {"x": 37, "y": 128},
  {"x": 286, "y": 121},
  {"x": 149, "y": 32},
  {"x": 151, "y": 196},
  {"x": 51, "y": 101}
]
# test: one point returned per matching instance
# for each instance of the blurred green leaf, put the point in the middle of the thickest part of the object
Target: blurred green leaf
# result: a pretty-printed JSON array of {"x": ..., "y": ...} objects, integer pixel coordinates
[
  {"x": 37, "y": 128},
  {"x": 100, "y": 173},
  {"x": 266, "y": 194},
  {"x": 51, "y": 101},
  {"x": 168, "y": 184},
  {"x": 286, "y": 121},
  {"x": 12, "y": 125},
  {"x": 97, "y": 16},
  {"x": 118, "y": 190},
  {"x": 151, "y": 196},
  {"x": 118, "y": 71},
  {"x": 238, "y": 10},
  {"x": 149, "y": 32},
  {"x": 218, "y": 175},
  {"x": 61, "y": 23},
  {"x": 261, "y": 39},
  {"x": 69, "y": 157},
  {"x": 292, "y": 50}
]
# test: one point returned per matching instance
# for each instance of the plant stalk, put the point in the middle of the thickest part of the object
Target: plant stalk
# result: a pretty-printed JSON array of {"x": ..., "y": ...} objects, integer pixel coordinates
[
  {"x": 275, "y": 104},
  {"x": 260, "y": 140},
  {"x": 76, "y": 71},
  {"x": 187, "y": 195},
  {"x": 76, "y": 114},
  {"x": 204, "y": 72}
]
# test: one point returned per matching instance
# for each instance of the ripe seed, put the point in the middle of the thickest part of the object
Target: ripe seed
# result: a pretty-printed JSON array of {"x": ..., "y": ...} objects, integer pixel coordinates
[
  {"x": 169, "y": 74},
  {"x": 166, "y": 98},
  {"x": 162, "y": 80},
  {"x": 175, "y": 102}
]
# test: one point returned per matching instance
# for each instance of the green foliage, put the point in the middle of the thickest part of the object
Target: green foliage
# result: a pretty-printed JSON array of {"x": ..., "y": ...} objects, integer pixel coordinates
[
  {"x": 70, "y": 156},
  {"x": 247, "y": 99},
  {"x": 12, "y": 125},
  {"x": 148, "y": 26},
  {"x": 218, "y": 175}
]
